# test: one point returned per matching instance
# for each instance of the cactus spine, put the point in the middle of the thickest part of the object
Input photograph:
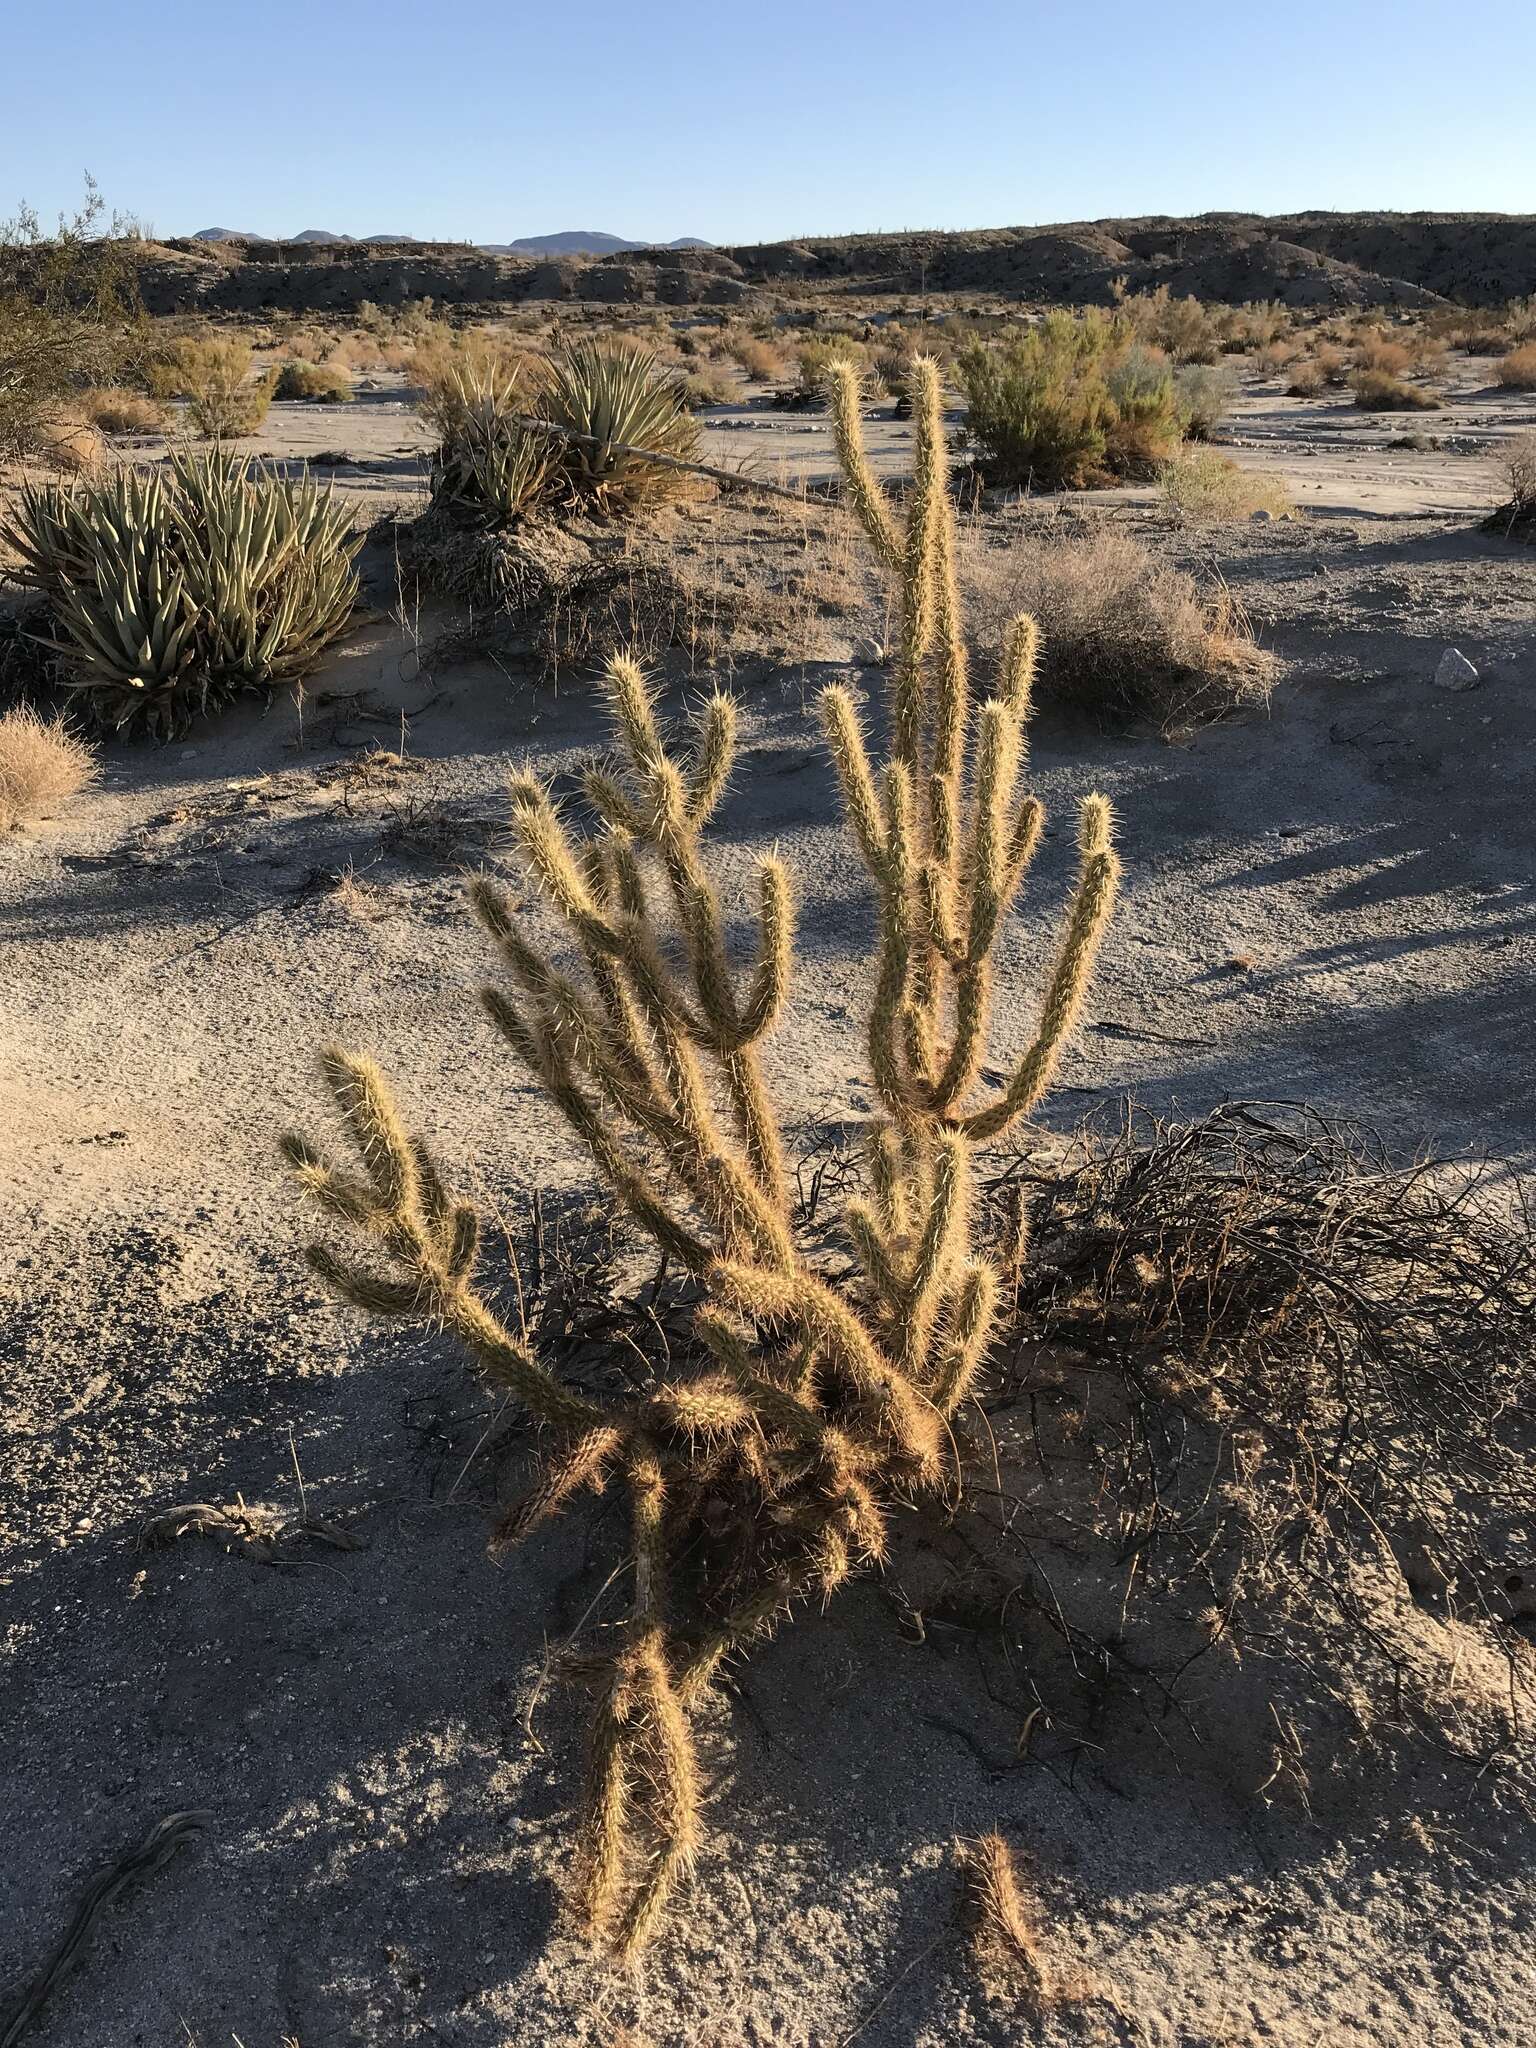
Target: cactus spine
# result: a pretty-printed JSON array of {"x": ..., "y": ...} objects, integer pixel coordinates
[{"x": 819, "y": 1408}]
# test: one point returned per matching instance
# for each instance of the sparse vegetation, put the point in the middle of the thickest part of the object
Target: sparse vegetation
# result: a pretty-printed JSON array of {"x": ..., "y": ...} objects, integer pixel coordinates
[
  {"x": 1517, "y": 370},
  {"x": 224, "y": 400},
  {"x": 1379, "y": 390},
  {"x": 1124, "y": 635},
  {"x": 118, "y": 409},
  {"x": 65, "y": 301},
  {"x": 173, "y": 590},
  {"x": 814, "y": 1405},
  {"x": 1206, "y": 485},
  {"x": 321, "y": 384},
  {"x": 42, "y": 765},
  {"x": 487, "y": 470}
]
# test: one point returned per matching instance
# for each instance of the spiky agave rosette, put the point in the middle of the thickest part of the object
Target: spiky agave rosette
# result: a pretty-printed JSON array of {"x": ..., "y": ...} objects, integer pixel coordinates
[
  {"x": 172, "y": 591},
  {"x": 822, "y": 1406}
]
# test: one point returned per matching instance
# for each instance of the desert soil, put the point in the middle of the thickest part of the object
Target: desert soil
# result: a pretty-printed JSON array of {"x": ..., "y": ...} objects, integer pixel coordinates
[{"x": 1332, "y": 901}]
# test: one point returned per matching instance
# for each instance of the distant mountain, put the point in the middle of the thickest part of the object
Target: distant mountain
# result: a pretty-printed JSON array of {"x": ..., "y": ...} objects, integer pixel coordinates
[
  {"x": 571, "y": 242},
  {"x": 583, "y": 242}
]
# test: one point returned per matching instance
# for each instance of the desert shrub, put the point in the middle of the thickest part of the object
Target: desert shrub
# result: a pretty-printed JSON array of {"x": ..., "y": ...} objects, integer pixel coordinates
[
  {"x": 1124, "y": 635},
  {"x": 1380, "y": 391},
  {"x": 814, "y": 1400},
  {"x": 1517, "y": 516},
  {"x": 1205, "y": 392},
  {"x": 1375, "y": 351},
  {"x": 1307, "y": 379},
  {"x": 173, "y": 590},
  {"x": 488, "y": 470},
  {"x": 1517, "y": 370},
  {"x": 224, "y": 400},
  {"x": 816, "y": 360},
  {"x": 706, "y": 387},
  {"x": 1258, "y": 325},
  {"x": 1182, "y": 327},
  {"x": 324, "y": 384},
  {"x": 65, "y": 300},
  {"x": 116, "y": 409},
  {"x": 1069, "y": 401},
  {"x": 42, "y": 763},
  {"x": 627, "y": 409},
  {"x": 1208, "y": 486},
  {"x": 763, "y": 363}
]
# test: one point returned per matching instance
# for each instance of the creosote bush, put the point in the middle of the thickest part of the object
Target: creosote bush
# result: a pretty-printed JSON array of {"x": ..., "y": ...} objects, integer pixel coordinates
[
  {"x": 1207, "y": 486},
  {"x": 1378, "y": 390},
  {"x": 65, "y": 303},
  {"x": 172, "y": 590},
  {"x": 767, "y": 1476},
  {"x": 42, "y": 764},
  {"x": 318, "y": 383},
  {"x": 213, "y": 374}
]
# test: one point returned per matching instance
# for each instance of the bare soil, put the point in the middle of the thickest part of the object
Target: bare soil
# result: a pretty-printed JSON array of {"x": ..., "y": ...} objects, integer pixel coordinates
[{"x": 1331, "y": 901}]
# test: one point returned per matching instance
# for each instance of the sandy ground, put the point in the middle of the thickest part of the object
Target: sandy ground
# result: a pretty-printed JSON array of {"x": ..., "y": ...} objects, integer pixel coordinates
[{"x": 386, "y": 1836}]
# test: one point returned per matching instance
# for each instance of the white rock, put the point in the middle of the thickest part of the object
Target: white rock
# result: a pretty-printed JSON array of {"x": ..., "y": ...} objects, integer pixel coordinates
[{"x": 1455, "y": 671}]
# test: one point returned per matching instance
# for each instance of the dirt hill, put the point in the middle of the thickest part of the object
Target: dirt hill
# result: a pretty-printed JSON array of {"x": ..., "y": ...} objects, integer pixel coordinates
[{"x": 1305, "y": 259}]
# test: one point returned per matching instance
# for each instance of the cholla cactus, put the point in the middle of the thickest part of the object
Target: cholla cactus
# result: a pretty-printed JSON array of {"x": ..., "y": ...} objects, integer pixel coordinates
[{"x": 822, "y": 1406}]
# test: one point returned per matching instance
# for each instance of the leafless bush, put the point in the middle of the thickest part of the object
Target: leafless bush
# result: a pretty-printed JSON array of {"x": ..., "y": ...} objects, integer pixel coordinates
[
  {"x": 1124, "y": 634},
  {"x": 42, "y": 764}
]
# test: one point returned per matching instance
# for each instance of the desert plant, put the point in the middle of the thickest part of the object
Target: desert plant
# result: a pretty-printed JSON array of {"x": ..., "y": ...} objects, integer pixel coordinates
[
  {"x": 1517, "y": 370},
  {"x": 213, "y": 374},
  {"x": 1125, "y": 635},
  {"x": 1205, "y": 392},
  {"x": 319, "y": 383},
  {"x": 815, "y": 361},
  {"x": 1378, "y": 390},
  {"x": 1307, "y": 379},
  {"x": 115, "y": 409},
  {"x": 1518, "y": 514},
  {"x": 65, "y": 300},
  {"x": 488, "y": 470},
  {"x": 624, "y": 410},
  {"x": 1208, "y": 486},
  {"x": 41, "y": 764},
  {"x": 762, "y": 362},
  {"x": 820, "y": 1403},
  {"x": 173, "y": 590}
]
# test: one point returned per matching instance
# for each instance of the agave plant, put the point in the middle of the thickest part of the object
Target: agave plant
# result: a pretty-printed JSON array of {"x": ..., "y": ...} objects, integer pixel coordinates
[
  {"x": 174, "y": 590},
  {"x": 489, "y": 470},
  {"x": 626, "y": 408}
]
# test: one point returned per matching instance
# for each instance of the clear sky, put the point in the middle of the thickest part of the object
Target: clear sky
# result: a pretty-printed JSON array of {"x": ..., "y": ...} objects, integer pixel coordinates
[{"x": 747, "y": 120}]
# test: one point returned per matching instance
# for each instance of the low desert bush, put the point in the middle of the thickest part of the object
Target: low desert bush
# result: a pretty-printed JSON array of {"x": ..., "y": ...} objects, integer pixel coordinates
[
  {"x": 172, "y": 590},
  {"x": 42, "y": 763},
  {"x": 1380, "y": 390},
  {"x": 1068, "y": 402},
  {"x": 1307, "y": 379},
  {"x": 1517, "y": 516},
  {"x": 323, "y": 384},
  {"x": 1182, "y": 327},
  {"x": 707, "y": 386},
  {"x": 1204, "y": 392},
  {"x": 763, "y": 363},
  {"x": 816, "y": 360},
  {"x": 65, "y": 304},
  {"x": 1209, "y": 487},
  {"x": 1124, "y": 635},
  {"x": 214, "y": 375},
  {"x": 116, "y": 409},
  {"x": 812, "y": 1398},
  {"x": 1517, "y": 370},
  {"x": 1376, "y": 351}
]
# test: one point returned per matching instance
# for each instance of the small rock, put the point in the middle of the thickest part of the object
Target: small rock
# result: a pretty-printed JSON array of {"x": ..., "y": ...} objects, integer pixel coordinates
[
  {"x": 1455, "y": 671},
  {"x": 1260, "y": 518}
]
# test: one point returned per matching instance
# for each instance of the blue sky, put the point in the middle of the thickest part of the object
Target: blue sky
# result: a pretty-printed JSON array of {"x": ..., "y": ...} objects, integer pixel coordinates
[{"x": 743, "y": 122}]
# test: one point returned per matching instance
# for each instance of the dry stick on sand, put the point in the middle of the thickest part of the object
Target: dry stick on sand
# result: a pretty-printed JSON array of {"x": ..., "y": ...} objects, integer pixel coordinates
[
  {"x": 157, "y": 1848},
  {"x": 813, "y": 1408}
]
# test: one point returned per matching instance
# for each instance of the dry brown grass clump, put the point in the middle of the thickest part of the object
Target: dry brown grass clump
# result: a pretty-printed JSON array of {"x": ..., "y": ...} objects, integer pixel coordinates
[
  {"x": 1124, "y": 634},
  {"x": 1210, "y": 487},
  {"x": 763, "y": 363},
  {"x": 42, "y": 764},
  {"x": 117, "y": 409},
  {"x": 1517, "y": 370},
  {"x": 317, "y": 383},
  {"x": 1378, "y": 390},
  {"x": 1010, "y": 1956}
]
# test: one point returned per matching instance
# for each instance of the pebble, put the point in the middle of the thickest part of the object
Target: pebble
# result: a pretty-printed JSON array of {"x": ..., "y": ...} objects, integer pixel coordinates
[{"x": 1455, "y": 671}]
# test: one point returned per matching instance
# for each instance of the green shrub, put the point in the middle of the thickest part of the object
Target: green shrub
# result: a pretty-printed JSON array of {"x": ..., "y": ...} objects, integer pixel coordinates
[
  {"x": 214, "y": 376},
  {"x": 1207, "y": 487},
  {"x": 1068, "y": 402},
  {"x": 1205, "y": 393},
  {"x": 313, "y": 381},
  {"x": 65, "y": 304},
  {"x": 174, "y": 589},
  {"x": 1381, "y": 391}
]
